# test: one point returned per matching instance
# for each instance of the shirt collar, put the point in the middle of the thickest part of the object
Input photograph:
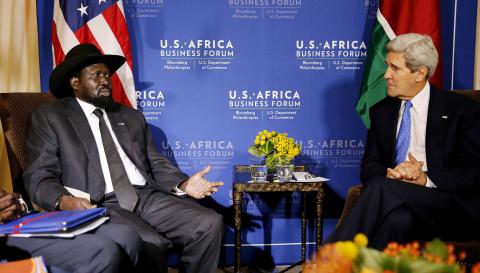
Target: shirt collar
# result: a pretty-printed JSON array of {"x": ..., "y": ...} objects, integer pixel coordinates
[
  {"x": 88, "y": 108},
  {"x": 420, "y": 101}
]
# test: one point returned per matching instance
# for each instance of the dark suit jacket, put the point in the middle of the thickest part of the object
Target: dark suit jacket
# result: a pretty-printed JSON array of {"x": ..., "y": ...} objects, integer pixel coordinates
[
  {"x": 452, "y": 145},
  {"x": 62, "y": 152}
]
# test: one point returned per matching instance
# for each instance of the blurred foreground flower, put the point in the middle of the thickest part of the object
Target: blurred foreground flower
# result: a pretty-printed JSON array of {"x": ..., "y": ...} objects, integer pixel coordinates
[{"x": 356, "y": 257}]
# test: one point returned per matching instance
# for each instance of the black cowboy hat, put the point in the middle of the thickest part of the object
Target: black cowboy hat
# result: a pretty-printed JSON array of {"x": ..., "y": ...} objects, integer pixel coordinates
[{"x": 77, "y": 58}]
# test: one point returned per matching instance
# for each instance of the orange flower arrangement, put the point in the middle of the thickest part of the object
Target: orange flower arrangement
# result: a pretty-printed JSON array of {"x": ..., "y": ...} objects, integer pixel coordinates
[{"x": 356, "y": 257}]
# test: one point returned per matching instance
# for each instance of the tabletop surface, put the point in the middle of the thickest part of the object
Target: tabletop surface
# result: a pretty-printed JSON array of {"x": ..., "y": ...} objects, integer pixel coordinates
[{"x": 242, "y": 174}]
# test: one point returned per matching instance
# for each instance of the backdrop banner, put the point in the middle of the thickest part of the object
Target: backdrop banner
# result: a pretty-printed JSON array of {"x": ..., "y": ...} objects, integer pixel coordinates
[{"x": 210, "y": 74}]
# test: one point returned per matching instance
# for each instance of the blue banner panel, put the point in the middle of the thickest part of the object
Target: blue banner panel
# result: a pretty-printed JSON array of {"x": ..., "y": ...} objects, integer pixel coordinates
[{"x": 211, "y": 74}]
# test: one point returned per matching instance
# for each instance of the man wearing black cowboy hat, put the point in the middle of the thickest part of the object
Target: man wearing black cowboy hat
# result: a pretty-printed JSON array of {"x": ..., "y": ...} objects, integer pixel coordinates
[{"x": 87, "y": 142}]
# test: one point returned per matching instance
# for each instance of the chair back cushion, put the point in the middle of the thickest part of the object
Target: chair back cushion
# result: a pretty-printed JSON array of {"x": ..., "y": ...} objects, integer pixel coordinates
[
  {"x": 473, "y": 94},
  {"x": 15, "y": 112}
]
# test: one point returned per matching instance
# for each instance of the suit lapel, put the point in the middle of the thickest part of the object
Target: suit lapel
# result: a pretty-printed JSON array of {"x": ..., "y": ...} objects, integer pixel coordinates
[
  {"x": 120, "y": 128},
  {"x": 122, "y": 132},
  {"x": 80, "y": 124},
  {"x": 437, "y": 122}
]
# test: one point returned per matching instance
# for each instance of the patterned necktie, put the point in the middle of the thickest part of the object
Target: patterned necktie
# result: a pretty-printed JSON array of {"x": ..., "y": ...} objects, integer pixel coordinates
[
  {"x": 126, "y": 195},
  {"x": 403, "y": 138}
]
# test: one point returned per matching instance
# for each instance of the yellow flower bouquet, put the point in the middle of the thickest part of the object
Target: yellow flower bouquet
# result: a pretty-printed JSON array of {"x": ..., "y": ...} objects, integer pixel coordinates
[
  {"x": 277, "y": 148},
  {"x": 356, "y": 257}
]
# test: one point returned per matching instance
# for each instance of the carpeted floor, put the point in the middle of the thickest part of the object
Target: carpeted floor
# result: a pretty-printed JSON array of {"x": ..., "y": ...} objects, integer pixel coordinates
[{"x": 296, "y": 268}]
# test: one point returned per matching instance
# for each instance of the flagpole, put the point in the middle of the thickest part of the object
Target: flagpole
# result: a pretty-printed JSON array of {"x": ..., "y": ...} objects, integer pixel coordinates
[
  {"x": 476, "y": 75},
  {"x": 453, "y": 46}
]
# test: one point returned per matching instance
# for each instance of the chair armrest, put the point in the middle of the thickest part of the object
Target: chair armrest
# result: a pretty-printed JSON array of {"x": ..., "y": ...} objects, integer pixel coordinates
[{"x": 354, "y": 193}]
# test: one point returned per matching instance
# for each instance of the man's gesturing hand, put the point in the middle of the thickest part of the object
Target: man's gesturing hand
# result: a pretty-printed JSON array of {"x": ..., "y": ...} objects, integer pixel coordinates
[{"x": 198, "y": 187}]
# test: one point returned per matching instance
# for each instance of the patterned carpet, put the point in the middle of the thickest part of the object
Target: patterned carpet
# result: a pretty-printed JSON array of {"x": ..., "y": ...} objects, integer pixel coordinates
[{"x": 295, "y": 268}]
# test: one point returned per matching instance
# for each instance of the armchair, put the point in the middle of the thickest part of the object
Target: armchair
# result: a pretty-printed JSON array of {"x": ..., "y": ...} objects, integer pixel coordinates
[
  {"x": 15, "y": 112},
  {"x": 355, "y": 192}
]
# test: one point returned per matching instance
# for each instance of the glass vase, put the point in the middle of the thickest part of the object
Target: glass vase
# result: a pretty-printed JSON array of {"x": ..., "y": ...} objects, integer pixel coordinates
[
  {"x": 258, "y": 169},
  {"x": 284, "y": 170}
]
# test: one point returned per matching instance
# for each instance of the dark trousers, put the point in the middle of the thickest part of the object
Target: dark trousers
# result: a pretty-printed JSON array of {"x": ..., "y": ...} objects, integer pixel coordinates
[
  {"x": 161, "y": 218},
  {"x": 111, "y": 248},
  {"x": 391, "y": 210}
]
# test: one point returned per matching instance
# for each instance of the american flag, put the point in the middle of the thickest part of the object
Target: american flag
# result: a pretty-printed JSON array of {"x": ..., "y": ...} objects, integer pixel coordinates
[{"x": 99, "y": 22}]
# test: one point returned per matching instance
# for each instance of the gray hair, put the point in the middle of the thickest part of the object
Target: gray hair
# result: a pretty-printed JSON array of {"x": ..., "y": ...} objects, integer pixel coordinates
[{"x": 418, "y": 50}]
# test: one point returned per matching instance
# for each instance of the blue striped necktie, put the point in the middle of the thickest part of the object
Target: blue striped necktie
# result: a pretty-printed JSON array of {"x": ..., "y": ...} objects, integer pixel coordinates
[{"x": 403, "y": 138}]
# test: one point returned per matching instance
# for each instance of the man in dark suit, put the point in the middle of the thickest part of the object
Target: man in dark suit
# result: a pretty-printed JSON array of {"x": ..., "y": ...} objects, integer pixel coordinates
[
  {"x": 421, "y": 167},
  {"x": 87, "y": 142},
  {"x": 100, "y": 252}
]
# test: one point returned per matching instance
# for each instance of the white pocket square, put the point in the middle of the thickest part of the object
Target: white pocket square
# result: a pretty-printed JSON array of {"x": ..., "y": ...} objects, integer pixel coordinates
[{"x": 445, "y": 117}]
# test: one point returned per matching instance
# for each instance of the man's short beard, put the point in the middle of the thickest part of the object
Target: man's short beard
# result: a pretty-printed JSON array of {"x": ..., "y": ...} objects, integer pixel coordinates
[{"x": 106, "y": 103}]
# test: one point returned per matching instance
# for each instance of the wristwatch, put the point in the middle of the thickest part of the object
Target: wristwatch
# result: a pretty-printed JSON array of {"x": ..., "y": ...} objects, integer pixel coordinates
[
  {"x": 57, "y": 202},
  {"x": 23, "y": 206}
]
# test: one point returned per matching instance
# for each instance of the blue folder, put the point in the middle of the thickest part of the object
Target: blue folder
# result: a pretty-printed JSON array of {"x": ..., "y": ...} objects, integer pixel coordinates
[{"x": 51, "y": 221}]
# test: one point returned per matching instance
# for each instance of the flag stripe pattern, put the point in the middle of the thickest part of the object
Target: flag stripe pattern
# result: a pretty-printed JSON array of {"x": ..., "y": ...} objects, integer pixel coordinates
[
  {"x": 416, "y": 16},
  {"x": 394, "y": 18},
  {"x": 102, "y": 23},
  {"x": 373, "y": 88}
]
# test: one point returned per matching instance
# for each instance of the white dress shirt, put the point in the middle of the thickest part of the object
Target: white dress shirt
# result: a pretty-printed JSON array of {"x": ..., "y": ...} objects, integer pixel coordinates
[
  {"x": 135, "y": 177},
  {"x": 418, "y": 117}
]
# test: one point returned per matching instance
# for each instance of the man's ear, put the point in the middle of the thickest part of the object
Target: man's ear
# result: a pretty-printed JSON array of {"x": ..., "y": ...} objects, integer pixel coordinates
[
  {"x": 422, "y": 73},
  {"x": 74, "y": 82}
]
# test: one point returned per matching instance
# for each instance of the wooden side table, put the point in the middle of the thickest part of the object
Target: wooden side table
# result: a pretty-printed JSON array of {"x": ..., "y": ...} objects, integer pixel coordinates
[{"x": 240, "y": 187}]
